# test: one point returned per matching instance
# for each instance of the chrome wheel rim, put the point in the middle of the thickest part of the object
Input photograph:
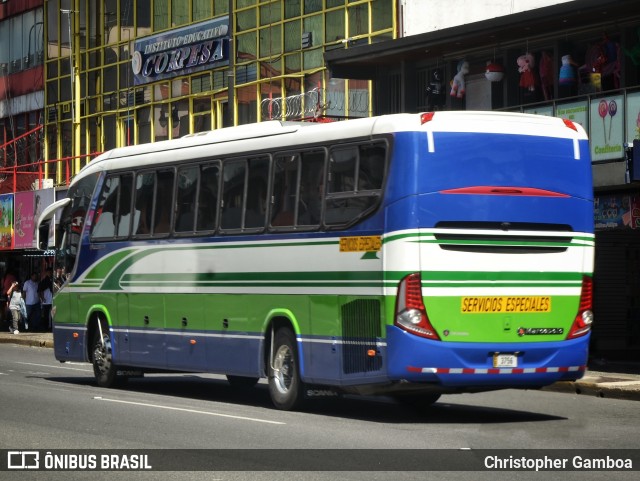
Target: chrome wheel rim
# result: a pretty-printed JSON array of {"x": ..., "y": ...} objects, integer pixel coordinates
[
  {"x": 283, "y": 369},
  {"x": 102, "y": 356}
]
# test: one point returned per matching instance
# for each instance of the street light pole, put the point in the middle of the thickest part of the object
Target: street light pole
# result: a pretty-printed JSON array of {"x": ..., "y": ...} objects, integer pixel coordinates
[
  {"x": 71, "y": 74},
  {"x": 75, "y": 96}
]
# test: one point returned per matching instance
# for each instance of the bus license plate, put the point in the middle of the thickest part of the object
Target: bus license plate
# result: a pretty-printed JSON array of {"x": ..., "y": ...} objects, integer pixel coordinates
[{"x": 505, "y": 360}]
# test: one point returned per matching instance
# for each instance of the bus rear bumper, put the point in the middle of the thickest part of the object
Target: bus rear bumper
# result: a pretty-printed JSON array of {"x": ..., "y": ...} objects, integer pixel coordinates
[{"x": 458, "y": 365}]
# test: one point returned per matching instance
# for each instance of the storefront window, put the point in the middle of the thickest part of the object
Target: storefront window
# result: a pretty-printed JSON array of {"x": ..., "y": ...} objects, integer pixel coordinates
[
  {"x": 144, "y": 125},
  {"x": 246, "y": 20},
  {"x": 246, "y": 47},
  {"x": 220, "y": 7},
  {"x": 143, "y": 17},
  {"x": 201, "y": 9},
  {"x": 201, "y": 83},
  {"x": 291, "y": 8},
  {"x": 358, "y": 20},
  {"x": 381, "y": 15},
  {"x": 606, "y": 129},
  {"x": 292, "y": 63},
  {"x": 201, "y": 115},
  {"x": 160, "y": 15},
  {"x": 313, "y": 58},
  {"x": 246, "y": 105},
  {"x": 334, "y": 25},
  {"x": 314, "y": 26},
  {"x": 270, "y": 13},
  {"x": 292, "y": 36},
  {"x": 179, "y": 13},
  {"x": 270, "y": 41},
  {"x": 311, "y": 6}
]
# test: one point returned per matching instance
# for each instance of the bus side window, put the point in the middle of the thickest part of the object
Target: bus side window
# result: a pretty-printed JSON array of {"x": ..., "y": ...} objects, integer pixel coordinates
[
  {"x": 208, "y": 197},
  {"x": 256, "y": 195},
  {"x": 124, "y": 206},
  {"x": 145, "y": 184},
  {"x": 311, "y": 188},
  {"x": 355, "y": 181},
  {"x": 114, "y": 206},
  {"x": 371, "y": 168},
  {"x": 163, "y": 205},
  {"x": 233, "y": 194},
  {"x": 186, "y": 201},
  {"x": 104, "y": 221},
  {"x": 285, "y": 187}
]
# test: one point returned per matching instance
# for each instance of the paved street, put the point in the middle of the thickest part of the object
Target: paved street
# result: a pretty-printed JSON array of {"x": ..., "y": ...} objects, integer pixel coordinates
[{"x": 58, "y": 406}]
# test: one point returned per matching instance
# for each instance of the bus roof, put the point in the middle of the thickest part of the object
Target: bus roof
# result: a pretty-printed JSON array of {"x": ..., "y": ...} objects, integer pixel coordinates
[{"x": 283, "y": 135}]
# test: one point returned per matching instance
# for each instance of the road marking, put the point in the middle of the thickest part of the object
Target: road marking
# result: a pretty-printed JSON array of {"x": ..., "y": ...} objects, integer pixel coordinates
[
  {"x": 209, "y": 413},
  {"x": 54, "y": 367}
]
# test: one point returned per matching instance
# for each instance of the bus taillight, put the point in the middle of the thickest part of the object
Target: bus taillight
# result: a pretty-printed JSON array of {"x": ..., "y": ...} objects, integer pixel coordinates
[
  {"x": 570, "y": 124},
  {"x": 584, "y": 318},
  {"x": 411, "y": 314},
  {"x": 426, "y": 117}
]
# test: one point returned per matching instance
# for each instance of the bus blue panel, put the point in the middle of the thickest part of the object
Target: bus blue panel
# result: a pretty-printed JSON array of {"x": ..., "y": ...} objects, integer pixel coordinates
[
  {"x": 234, "y": 354},
  {"x": 433, "y": 208},
  {"x": 416, "y": 359},
  {"x": 481, "y": 159},
  {"x": 323, "y": 362},
  {"x": 66, "y": 346}
]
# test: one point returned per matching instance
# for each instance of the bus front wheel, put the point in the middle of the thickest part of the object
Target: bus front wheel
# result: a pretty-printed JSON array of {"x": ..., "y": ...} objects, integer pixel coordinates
[
  {"x": 285, "y": 386},
  {"x": 105, "y": 372}
]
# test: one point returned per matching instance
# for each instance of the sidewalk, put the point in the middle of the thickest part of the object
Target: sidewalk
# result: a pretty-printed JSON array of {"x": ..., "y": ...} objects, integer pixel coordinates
[{"x": 605, "y": 380}]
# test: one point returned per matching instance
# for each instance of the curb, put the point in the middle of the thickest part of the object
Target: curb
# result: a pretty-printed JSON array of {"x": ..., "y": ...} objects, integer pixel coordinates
[
  {"x": 27, "y": 342},
  {"x": 627, "y": 389}
]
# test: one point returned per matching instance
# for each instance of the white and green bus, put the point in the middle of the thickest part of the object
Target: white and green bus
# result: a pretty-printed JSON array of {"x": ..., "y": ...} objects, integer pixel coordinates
[{"x": 406, "y": 255}]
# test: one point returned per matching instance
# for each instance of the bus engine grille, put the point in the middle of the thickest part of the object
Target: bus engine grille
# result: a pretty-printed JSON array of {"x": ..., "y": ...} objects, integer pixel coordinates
[{"x": 360, "y": 333}]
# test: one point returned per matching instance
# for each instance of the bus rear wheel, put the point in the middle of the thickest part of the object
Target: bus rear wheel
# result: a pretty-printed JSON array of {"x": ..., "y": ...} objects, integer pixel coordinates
[
  {"x": 285, "y": 386},
  {"x": 105, "y": 372}
]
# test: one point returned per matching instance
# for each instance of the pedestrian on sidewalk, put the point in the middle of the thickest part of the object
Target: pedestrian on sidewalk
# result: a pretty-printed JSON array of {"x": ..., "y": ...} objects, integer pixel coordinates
[
  {"x": 45, "y": 290},
  {"x": 16, "y": 306},
  {"x": 7, "y": 281},
  {"x": 32, "y": 300}
]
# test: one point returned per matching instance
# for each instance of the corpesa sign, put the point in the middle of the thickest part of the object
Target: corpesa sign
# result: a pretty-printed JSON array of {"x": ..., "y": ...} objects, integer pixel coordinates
[{"x": 182, "y": 51}]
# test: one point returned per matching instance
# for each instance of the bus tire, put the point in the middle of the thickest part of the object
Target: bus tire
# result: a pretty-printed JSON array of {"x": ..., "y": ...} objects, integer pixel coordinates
[
  {"x": 105, "y": 372},
  {"x": 242, "y": 382},
  {"x": 285, "y": 387}
]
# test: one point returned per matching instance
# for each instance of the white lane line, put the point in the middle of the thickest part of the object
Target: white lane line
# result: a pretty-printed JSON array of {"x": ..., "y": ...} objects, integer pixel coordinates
[
  {"x": 54, "y": 367},
  {"x": 208, "y": 413}
]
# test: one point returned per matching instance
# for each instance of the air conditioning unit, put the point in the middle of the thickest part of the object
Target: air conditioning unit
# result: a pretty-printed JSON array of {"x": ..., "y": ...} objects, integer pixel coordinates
[{"x": 44, "y": 184}]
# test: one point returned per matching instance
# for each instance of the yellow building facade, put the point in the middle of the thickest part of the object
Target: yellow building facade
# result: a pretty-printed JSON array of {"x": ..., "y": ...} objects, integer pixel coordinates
[{"x": 124, "y": 72}]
